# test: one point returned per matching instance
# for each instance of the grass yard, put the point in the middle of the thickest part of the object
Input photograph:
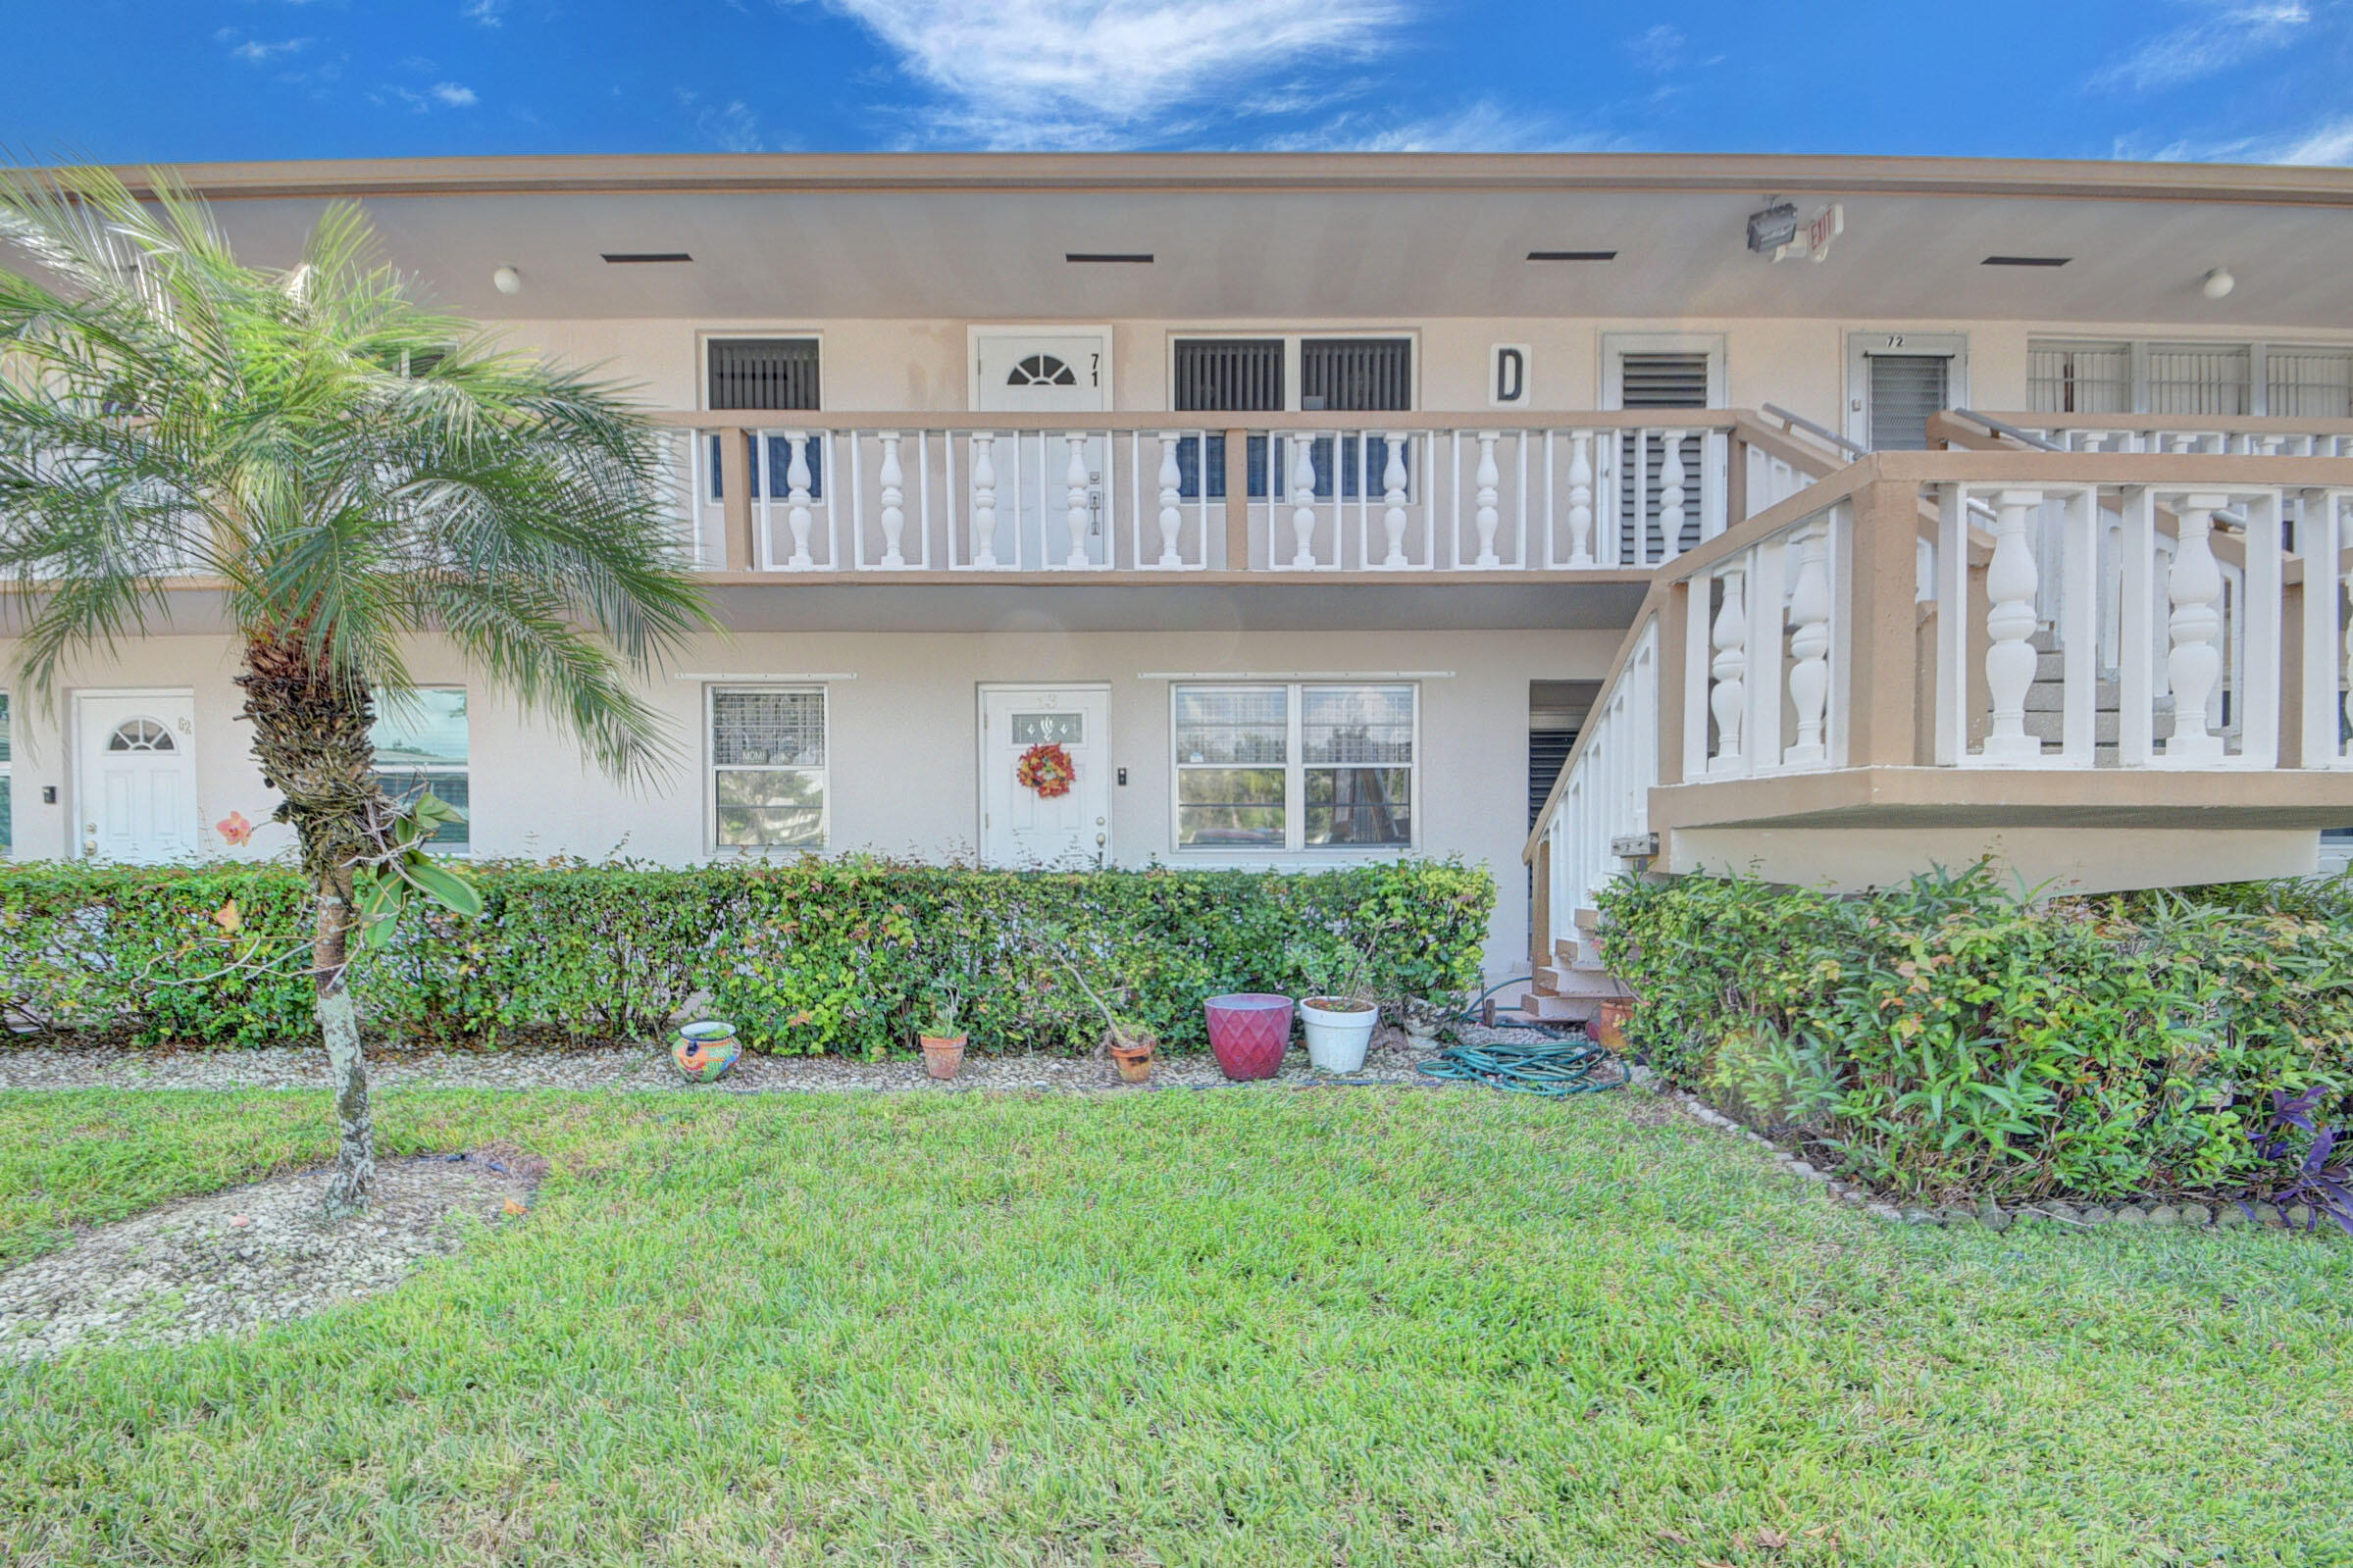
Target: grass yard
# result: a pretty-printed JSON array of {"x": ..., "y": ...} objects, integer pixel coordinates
[{"x": 1358, "y": 1327}]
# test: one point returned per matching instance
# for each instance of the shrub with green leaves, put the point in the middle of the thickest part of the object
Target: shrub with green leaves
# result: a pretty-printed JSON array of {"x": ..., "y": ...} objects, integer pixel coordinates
[
  {"x": 1950, "y": 1036},
  {"x": 812, "y": 956}
]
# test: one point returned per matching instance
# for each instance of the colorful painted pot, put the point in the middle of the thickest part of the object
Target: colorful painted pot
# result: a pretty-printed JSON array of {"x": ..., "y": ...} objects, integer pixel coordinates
[{"x": 705, "y": 1052}]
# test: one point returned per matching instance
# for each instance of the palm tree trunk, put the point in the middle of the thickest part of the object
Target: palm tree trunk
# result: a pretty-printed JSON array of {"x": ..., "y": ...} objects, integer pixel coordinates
[{"x": 310, "y": 734}]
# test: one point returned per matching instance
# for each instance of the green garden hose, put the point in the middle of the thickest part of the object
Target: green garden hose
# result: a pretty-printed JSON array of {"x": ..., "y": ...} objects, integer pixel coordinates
[{"x": 1554, "y": 1069}]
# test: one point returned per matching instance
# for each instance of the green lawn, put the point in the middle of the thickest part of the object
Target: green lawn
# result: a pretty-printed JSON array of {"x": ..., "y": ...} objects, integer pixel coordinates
[{"x": 1361, "y": 1327}]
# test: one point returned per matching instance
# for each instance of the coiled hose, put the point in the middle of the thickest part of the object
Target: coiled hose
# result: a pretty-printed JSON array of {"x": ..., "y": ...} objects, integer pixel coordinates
[{"x": 1552, "y": 1069}]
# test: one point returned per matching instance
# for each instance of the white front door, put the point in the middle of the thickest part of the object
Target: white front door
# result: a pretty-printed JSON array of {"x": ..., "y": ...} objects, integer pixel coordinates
[
  {"x": 1020, "y": 827},
  {"x": 135, "y": 779},
  {"x": 1017, "y": 371}
]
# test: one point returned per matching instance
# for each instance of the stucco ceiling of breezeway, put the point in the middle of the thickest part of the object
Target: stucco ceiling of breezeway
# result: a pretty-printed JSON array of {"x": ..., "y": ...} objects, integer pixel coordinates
[{"x": 1237, "y": 237}]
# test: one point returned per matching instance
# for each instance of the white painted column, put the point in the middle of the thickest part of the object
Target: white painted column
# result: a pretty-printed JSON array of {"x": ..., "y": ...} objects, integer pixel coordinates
[
  {"x": 1392, "y": 499},
  {"x": 2010, "y": 621},
  {"x": 796, "y": 498},
  {"x": 1078, "y": 512},
  {"x": 984, "y": 498},
  {"x": 894, "y": 518},
  {"x": 1172, "y": 484},
  {"x": 1727, "y": 699},
  {"x": 1670, "y": 496},
  {"x": 1489, "y": 481},
  {"x": 1303, "y": 499},
  {"x": 1581, "y": 498},
  {"x": 2195, "y": 664},
  {"x": 1809, "y": 645}
]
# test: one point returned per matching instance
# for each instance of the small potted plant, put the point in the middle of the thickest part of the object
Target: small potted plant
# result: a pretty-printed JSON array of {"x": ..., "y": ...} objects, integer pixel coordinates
[
  {"x": 942, "y": 1035},
  {"x": 1341, "y": 1006},
  {"x": 1131, "y": 1046}
]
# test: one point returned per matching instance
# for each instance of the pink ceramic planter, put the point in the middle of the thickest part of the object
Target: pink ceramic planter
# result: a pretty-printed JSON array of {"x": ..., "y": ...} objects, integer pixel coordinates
[{"x": 1249, "y": 1030}]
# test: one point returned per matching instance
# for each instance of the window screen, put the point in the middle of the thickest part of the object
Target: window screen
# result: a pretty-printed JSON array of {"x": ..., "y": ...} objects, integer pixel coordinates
[
  {"x": 2199, "y": 378},
  {"x": 420, "y": 744},
  {"x": 1295, "y": 767},
  {"x": 1906, "y": 389},
  {"x": 768, "y": 767},
  {"x": 2085, "y": 378},
  {"x": 2308, "y": 382},
  {"x": 763, "y": 372}
]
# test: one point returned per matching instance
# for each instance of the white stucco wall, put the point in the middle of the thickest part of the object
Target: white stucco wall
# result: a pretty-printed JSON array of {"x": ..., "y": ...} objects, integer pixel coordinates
[{"x": 903, "y": 764}]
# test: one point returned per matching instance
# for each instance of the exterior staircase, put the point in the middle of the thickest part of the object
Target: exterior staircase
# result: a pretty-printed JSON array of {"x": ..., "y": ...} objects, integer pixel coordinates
[
  {"x": 2046, "y": 703},
  {"x": 1571, "y": 989}
]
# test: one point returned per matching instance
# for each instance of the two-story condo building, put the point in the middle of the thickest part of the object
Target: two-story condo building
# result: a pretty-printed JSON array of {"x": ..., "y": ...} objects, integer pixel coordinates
[{"x": 1324, "y": 507}]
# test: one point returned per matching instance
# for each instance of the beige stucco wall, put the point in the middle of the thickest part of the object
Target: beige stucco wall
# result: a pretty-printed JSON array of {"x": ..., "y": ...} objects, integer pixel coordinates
[
  {"x": 873, "y": 366},
  {"x": 903, "y": 774}
]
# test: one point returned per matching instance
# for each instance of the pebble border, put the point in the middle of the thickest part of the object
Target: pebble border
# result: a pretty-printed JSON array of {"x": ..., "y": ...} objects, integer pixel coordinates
[{"x": 2177, "y": 1214}]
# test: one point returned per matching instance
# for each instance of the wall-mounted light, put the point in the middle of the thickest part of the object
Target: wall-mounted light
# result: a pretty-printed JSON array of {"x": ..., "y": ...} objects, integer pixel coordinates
[
  {"x": 507, "y": 281},
  {"x": 2218, "y": 283}
]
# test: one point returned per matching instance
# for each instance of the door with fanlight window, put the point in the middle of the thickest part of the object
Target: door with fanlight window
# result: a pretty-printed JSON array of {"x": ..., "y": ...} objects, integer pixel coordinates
[
  {"x": 136, "y": 775},
  {"x": 1022, "y": 824},
  {"x": 1050, "y": 371}
]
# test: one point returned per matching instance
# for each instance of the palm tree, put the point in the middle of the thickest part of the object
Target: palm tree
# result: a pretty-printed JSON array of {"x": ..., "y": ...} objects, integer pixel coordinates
[{"x": 354, "y": 471}]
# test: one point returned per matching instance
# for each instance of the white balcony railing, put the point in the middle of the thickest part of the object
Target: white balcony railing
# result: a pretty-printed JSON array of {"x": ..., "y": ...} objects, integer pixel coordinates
[{"x": 1280, "y": 494}]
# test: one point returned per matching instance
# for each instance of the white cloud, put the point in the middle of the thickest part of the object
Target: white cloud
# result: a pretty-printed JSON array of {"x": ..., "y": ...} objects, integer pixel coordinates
[
  {"x": 440, "y": 95},
  {"x": 2229, "y": 35},
  {"x": 490, "y": 13},
  {"x": 1482, "y": 126},
  {"x": 2329, "y": 142},
  {"x": 1661, "y": 48},
  {"x": 1083, "y": 73},
  {"x": 254, "y": 51},
  {"x": 452, "y": 95}
]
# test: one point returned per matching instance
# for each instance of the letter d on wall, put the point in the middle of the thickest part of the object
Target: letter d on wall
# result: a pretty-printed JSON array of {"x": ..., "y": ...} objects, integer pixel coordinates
[{"x": 1507, "y": 376}]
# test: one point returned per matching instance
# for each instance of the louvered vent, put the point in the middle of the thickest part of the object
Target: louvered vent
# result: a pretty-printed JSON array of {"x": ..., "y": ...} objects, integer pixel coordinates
[
  {"x": 1659, "y": 380},
  {"x": 1229, "y": 375},
  {"x": 2199, "y": 378},
  {"x": 1906, "y": 389},
  {"x": 763, "y": 372},
  {"x": 1548, "y": 755},
  {"x": 2309, "y": 384},
  {"x": 1356, "y": 374},
  {"x": 2089, "y": 378}
]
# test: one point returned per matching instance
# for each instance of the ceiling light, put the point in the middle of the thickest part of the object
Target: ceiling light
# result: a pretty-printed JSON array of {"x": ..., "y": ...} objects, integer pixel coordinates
[
  {"x": 1141, "y": 258},
  {"x": 507, "y": 281},
  {"x": 620, "y": 257},
  {"x": 2026, "y": 261},
  {"x": 1572, "y": 255},
  {"x": 2219, "y": 283}
]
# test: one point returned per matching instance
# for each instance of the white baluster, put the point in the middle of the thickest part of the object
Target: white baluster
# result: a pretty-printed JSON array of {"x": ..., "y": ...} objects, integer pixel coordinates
[
  {"x": 1172, "y": 485},
  {"x": 1078, "y": 514},
  {"x": 1490, "y": 479},
  {"x": 1393, "y": 497},
  {"x": 894, "y": 495},
  {"x": 796, "y": 498},
  {"x": 1581, "y": 498},
  {"x": 1302, "y": 500},
  {"x": 984, "y": 498},
  {"x": 1729, "y": 699},
  {"x": 2195, "y": 663},
  {"x": 1809, "y": 645},
  {"x": 1670, "y": 496},
  {"x": 2010, "y": 582}
]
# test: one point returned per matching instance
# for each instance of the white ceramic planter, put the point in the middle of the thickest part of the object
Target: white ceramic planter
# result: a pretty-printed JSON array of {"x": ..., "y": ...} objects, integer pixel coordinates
[{"x": 1336, "y": 1039}]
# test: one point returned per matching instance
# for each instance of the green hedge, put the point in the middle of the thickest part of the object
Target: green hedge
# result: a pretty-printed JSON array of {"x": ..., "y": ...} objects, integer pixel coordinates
[
  {"x": 1950, "y": 1038},
  {"x": 806, "y": 957}
]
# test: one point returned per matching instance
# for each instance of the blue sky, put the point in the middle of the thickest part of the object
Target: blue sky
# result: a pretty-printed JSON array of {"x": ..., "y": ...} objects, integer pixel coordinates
[{"x": 129, "y": 80}]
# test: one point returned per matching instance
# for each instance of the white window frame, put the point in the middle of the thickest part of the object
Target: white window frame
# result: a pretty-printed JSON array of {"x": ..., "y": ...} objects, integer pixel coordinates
[
  {"x": 2259, "y": 353},
  {"x": 974, "y": 337},
  {"x": 711, "y": 770},
  {"x": 1290, "y": 338},
  {"x": 1615, "y": 346},
  {"x": 1863, "y": 342},
  {"x": 1295, "y": 777},
  {"x": 784, "y": 416},
  {"x": 442, "y": 770}
]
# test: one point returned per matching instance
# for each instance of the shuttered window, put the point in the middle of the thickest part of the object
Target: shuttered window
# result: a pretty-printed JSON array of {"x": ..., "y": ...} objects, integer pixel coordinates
[
  {"x": 1356, "y": 374},
  {"x": 1906, "y": 389},
  {"x": 763, "y": 372},
  {"x": 2078, "y": 378},
  {"x": 1668, "y": 380},
  {"x": 1229, "y": 375},
  {"x": 2308, "y": 382},
  {"x": 2199, "y": 378}
]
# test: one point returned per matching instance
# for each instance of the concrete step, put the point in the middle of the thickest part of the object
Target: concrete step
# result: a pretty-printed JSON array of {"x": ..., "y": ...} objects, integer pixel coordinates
[
  {"x": 1588, "y": 920},
  {"x": 1563, "y": 1009},
  {"x": 1579, "y": 954},
  {"x": 2051, "y": 695},
  {"x": 1559, "y": 979}
]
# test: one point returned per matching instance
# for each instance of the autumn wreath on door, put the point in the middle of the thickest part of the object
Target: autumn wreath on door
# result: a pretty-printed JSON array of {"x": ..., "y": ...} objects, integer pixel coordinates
[{"x": 1047, "y": 769}]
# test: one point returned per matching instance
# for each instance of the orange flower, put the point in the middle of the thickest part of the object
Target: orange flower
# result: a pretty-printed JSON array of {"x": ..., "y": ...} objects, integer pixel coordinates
[{"x": 234, "y": 828}]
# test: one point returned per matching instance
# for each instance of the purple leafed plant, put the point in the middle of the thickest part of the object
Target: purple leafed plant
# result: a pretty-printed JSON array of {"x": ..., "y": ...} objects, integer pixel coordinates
[{"x": 2316, "y": 1183}]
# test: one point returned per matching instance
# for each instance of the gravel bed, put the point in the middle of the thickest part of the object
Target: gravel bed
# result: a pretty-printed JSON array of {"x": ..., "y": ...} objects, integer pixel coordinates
[
  {"x": 231, "y": 1260},
  {"x": 1391, "y": 1060}
]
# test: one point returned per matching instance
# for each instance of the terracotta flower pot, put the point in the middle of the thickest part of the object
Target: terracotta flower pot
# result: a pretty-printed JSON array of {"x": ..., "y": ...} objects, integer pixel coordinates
[
  {"x": 942, "y": 1054},
  {"x": 1610, "y": 1029},
  {"x": 1135, "y": 1062},
  {"x": 1249, "y": 1030}
]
